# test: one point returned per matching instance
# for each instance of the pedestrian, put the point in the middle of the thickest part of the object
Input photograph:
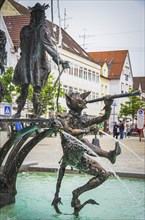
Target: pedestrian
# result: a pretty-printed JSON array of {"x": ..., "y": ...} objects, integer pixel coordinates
[
  {"x": 33, "y": 67},
  {"x": 115, "y": 130},
  {"x": 128, "y": 130},
  {"x": 140, "y": 131},
  {"x": 121, "y": 130}
]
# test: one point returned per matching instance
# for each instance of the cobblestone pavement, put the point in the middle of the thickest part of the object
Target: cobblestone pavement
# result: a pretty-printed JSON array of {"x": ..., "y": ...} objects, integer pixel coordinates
[{"x": 48, "y": 153}]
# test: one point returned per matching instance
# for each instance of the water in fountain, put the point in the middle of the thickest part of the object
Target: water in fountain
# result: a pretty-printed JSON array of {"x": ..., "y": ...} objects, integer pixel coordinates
[
  {"x": 36, "y": 192},
  {"x": 112, "y": 171},
  {"x": 86, "y": 148}
]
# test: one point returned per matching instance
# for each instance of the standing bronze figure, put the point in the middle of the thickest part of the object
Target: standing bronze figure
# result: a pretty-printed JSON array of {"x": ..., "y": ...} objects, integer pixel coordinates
[
  {"x": 3, "y": 56},
  {"x": 33, "y": 67},
  {"x": 77, "y": 151}
]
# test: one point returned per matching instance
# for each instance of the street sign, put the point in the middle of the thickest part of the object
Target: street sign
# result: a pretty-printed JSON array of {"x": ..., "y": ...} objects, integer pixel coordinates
[
  {"x": 140, "y": 119},
  {"x": 7, "y": 110}
]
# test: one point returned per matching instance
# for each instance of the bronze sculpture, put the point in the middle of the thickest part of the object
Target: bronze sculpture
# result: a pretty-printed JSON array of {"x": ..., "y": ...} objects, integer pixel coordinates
[
  {"x": 33, "y": 68},
  {"x": 77, "y": 153},
  {"x": 3, "y": 56},
  {"x": 3, "y": 53}
]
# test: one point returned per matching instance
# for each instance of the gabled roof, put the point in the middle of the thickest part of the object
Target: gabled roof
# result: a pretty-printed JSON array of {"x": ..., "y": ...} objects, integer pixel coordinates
[
  {"x": 114, "y": 59},
  {"x": 18, "y": 7},
  {"x": 14, "y": 25},
  {"x": 137, "y": 81}
]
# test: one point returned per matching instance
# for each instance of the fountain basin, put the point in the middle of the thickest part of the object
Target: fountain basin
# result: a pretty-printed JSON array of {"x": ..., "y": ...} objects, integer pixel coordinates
[{"x": 35, "y": 192}]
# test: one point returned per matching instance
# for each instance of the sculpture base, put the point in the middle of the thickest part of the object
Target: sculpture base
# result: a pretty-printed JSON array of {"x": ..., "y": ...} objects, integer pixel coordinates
[{"x": 6, "y": 199}]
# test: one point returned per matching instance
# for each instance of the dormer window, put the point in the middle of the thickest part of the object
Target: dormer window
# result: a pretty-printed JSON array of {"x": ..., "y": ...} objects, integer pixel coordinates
[{"x": 126, "y": 77}]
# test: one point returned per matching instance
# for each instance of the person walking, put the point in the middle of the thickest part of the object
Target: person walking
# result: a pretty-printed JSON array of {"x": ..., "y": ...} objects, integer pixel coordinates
[
  {"x": 115, "y": 130},
  {"x": 121, "y": 130}
]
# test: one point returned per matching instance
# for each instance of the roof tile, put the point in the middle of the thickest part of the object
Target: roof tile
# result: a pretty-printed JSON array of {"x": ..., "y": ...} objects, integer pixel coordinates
[{"x": 114, "y": 59}]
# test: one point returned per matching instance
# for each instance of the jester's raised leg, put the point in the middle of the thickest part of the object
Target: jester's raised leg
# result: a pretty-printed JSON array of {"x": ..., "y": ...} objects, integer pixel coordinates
[
  {"x": 92, "y": 167},
  {"x": 111, "y": 155},
  {"x": 57, "y": 200}
]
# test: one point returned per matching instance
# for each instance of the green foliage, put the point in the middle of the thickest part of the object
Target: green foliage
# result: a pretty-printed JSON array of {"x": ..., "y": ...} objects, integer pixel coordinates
[
  {"x": 131, "y": 106},
  {"x": 10, "y": 89},
  {"x": 48, "y": 104}
]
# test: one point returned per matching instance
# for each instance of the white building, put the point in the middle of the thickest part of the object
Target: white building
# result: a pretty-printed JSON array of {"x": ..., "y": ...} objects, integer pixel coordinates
[{"x": 120, "y": 76}]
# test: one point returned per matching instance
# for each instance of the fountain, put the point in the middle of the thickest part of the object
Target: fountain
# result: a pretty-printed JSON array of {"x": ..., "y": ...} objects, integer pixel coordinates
[
  {"x": 77, "y": 151},
  {"x": 35, "y": 193}
]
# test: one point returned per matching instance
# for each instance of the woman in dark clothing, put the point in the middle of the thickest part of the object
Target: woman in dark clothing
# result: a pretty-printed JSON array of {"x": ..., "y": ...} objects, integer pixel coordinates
[{"x": 115, "y": 130}]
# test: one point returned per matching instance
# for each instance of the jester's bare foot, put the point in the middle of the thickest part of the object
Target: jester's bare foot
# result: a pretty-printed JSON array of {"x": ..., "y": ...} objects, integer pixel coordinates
[
  {"x": 78, "y": 206},
  {"x": 115, "y": 153},
  {"x": 56, "y": 201}
]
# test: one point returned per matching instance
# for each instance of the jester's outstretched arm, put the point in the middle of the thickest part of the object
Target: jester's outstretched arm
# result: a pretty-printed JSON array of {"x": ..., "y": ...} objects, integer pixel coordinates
[{"x": 57, "y": 200}]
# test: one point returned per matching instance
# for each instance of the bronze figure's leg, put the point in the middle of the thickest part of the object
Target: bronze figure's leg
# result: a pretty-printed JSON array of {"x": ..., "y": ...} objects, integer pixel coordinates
[
  {"x": 111, "y": 155},
  {"x": 21, "y": 100},
  {"x": 92, "y": 167},
  {"x": 57, "y": 200},
  {"x": 36, "y": 100}
]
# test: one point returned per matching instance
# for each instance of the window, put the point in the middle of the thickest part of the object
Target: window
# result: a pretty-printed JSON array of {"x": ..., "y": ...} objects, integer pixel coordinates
[
  {"x": 75, "y": 89},
  {"x": 93, "y": 76},
  {"x": 81, "y": 72},
  {"x": 97, "y": 77},
  {"x": 126, "y": 89},
  {"x": 76, "y": 70},
  {"x": 85, "y": 73},
  {"x": 71, "y": 69},
  {"x": 122, "y": 87},
  {"x": 89, "y": 75},
  {"x": 70, "y": 89},
  {"x": 126, "y": 77}
]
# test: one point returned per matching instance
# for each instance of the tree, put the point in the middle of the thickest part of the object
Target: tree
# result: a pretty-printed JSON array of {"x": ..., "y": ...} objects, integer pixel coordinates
[
  {"x": 131, "y": 106},
  {"x": 48, "y": 104},
  {"x": 10, "y": 89}
]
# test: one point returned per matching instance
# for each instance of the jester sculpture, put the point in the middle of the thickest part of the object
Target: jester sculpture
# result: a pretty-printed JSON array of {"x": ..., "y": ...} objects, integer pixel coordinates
[{"x": 77, "y": 150}]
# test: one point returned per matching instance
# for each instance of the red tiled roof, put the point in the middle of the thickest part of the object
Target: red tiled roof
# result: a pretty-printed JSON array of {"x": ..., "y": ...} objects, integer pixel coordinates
[
  {"x": 14, "y": 25},
  {"x": 114, "y": 59},
  {"x": 139, "y": 81},
  {"x": 20, "y": 8}
]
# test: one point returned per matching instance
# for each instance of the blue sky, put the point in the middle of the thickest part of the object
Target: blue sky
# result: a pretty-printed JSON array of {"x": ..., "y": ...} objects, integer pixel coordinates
[{"x": 107, "y": 25}]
